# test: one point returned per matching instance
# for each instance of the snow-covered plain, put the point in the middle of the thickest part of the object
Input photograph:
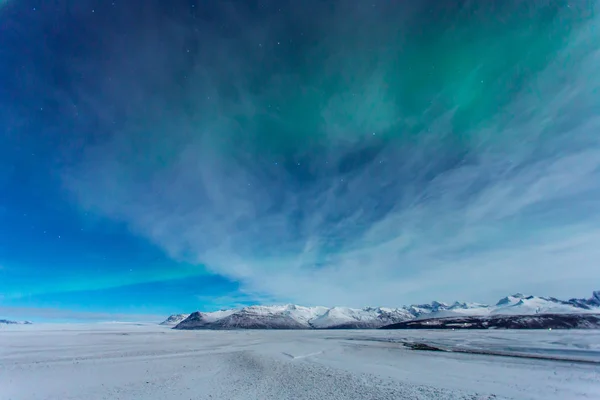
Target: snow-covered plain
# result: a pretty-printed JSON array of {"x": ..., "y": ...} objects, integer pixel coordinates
[{"x": 142, "y": 361}]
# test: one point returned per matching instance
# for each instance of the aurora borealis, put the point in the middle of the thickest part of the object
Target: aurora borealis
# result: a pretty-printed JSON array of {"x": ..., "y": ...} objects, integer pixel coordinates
[{"x": 169, "y": 155}]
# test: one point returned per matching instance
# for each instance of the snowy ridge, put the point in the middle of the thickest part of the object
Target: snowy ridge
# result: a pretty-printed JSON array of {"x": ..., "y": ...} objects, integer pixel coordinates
[{"x": 292, "y": 316}]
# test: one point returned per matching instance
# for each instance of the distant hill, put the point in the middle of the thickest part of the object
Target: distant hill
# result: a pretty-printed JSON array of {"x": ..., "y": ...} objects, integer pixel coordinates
[{"x": 9, "y": 322}]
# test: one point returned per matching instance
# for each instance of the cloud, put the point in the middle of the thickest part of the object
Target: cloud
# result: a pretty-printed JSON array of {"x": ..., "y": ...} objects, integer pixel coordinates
[{"x": 279, "y": 183}]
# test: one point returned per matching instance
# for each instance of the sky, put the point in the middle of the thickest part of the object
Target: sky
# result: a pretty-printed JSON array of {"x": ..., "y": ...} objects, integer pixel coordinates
[{"x": 161, "y": 157}]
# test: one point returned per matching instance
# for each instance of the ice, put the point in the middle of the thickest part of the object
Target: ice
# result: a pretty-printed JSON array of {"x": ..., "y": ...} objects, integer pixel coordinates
[{"x": 142, "y": 361}]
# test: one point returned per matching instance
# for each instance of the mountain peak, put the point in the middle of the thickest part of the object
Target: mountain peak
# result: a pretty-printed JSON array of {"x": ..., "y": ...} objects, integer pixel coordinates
[
  {"x": 438, "y": 304},
  {"x": 459, "y": 305},
  {"x": 174, "y": 319},
  {"x": 513, "y": 299}
]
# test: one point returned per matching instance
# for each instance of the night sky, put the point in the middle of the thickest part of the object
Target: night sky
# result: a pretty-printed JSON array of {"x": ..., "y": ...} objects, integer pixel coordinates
[{"x": 166, "y": 156}]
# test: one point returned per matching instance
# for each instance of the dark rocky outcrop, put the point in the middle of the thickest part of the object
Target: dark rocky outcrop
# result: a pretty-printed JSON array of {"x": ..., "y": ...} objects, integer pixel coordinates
[
  {"x": 195, "y": 320},
  {"x": 537, "y": 321}
]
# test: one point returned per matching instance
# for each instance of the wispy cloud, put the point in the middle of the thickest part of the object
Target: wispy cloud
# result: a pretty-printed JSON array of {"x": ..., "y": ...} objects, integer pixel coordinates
[
  {"x": 237, "y": 300},
  {"x": 350, "y": 218}
]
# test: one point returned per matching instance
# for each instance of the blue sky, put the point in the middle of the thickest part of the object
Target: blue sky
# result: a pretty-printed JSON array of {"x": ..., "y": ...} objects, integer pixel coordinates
[{"x": 156, "y": 160}]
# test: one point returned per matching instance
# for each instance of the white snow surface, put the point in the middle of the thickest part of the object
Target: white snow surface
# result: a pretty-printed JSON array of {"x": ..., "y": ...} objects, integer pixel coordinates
[
  {"x": 374, "y": 317},
  {"x": 149, "y": 361},
  {"x": 298, "y": 313},
  {"x": 217, "y": 315}
]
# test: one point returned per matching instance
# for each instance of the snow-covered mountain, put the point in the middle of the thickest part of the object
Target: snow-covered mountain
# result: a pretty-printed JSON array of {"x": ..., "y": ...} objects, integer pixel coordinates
[
  {"x": 175, "y": 319},
  {"x": 351, "y": 318},
  {"x": 297, "y": 317}
]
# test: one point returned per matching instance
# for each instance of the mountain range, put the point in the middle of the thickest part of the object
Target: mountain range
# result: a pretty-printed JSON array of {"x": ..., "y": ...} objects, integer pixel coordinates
[
  {"x": 292, "y": 316},
  {"x": 9, "y": 322}
]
